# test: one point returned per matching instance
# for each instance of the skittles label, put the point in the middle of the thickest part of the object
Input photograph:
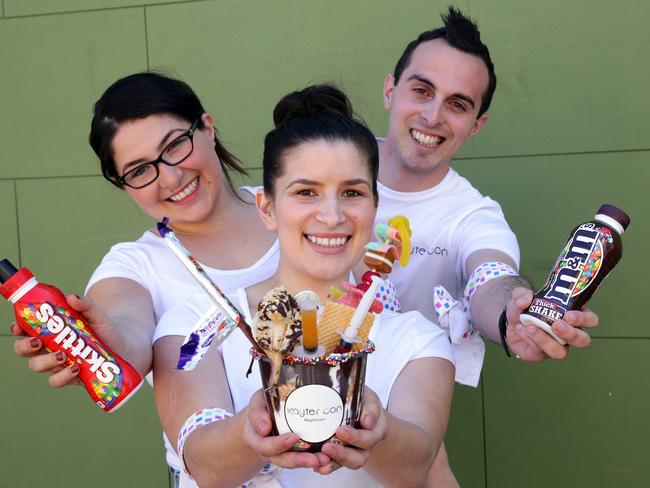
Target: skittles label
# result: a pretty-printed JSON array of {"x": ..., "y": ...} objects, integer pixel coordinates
[
  {"x": 72, "y": 336},
  {"x": 578, "y": 264}
]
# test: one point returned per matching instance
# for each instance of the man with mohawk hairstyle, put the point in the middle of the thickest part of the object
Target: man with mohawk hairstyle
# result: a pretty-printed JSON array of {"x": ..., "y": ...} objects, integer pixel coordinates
[{"x": 437, "y": 98}]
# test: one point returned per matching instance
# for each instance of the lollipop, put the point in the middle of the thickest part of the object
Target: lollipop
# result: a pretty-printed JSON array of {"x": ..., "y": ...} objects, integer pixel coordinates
[
  {"x": 380, "y": 256},
  {"x": 394, "y": 244},
  {"x": 277, "y": 327},
  {"x": 401, "y": 224}
]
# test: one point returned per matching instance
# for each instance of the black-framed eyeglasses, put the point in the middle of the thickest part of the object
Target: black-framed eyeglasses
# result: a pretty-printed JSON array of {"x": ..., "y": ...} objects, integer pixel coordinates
[{"x": 174, "y": 153}]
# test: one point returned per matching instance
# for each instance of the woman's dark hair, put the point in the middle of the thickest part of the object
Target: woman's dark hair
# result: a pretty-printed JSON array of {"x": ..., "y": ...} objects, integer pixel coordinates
[
  {"x": 318, "y": 112},
  {"x": 138, "y": 96}
]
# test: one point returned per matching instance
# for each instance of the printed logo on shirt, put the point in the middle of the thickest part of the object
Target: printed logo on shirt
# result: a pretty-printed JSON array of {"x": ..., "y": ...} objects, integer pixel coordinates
[{"x": 431, "y": 251}]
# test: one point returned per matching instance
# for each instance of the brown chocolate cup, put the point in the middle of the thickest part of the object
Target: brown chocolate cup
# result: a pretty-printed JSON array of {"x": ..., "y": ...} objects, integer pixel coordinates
[{"x": 313, "y": 400}]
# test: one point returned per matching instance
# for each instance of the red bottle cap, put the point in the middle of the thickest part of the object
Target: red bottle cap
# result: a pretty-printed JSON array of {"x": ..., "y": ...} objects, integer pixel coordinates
[{"x": 18, "y": 279}]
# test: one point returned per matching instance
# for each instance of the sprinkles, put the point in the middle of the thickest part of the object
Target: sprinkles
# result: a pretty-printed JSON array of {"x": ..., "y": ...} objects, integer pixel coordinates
[{"x": 332, "y": 359}]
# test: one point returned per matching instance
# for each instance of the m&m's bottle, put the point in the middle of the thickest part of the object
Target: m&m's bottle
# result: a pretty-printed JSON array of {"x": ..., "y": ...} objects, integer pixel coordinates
[
  {"x": 590, "y": 253},
  {"x": 42, "y": 311}
]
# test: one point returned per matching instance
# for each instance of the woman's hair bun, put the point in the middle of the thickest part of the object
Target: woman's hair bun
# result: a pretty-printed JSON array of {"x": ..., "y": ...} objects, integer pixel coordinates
[
  {"x": 311, "y": 101},
  {"x": 318, "y": 113}
]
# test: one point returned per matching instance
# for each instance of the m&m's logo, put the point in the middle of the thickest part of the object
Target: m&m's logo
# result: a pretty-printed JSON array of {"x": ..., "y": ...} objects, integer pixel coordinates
[{"x": 577, "y": 266}]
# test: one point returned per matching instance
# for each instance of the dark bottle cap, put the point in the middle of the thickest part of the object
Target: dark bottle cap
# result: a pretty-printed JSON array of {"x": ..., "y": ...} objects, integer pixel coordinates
[
  {"x": 7, "y": 270},
  {"x": 615, "y": 213}
]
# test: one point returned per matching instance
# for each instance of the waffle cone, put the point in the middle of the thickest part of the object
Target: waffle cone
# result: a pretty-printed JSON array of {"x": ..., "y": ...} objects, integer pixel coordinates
[{"x": 337, "y": 316}]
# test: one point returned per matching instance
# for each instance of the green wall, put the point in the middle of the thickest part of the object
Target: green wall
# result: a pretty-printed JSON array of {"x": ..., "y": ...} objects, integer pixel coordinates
[{"x": 567, "y": 132}]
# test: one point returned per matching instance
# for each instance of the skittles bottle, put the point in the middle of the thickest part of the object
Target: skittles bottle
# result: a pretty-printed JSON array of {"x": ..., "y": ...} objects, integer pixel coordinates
[{"x": 42, "y": 311}]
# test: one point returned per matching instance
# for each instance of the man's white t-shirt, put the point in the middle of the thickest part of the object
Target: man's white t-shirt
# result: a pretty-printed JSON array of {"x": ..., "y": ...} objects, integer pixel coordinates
[{"x": 449, "y": 222}]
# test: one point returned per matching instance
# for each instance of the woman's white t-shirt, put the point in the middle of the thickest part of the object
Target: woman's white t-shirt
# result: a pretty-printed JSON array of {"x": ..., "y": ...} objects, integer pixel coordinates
[
  {"x": 150, "y": 263},
  {"x": 398, "y": 337}
]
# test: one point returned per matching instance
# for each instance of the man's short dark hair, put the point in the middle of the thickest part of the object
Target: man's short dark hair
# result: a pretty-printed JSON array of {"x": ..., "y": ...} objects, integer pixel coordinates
[{"x": 460, "y": 32}]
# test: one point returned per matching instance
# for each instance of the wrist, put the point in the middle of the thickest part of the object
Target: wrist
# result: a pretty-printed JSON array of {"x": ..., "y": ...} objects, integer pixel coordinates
[{"x": 195, "y": 421}]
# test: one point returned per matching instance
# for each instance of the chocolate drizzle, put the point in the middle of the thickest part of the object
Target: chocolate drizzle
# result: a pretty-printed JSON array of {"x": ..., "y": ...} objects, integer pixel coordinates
[{"x": 277, "y": 305}]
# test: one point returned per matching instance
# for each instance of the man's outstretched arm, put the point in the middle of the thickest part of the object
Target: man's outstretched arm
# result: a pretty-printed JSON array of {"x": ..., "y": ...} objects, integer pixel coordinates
[{"x": 515, "y": 294}]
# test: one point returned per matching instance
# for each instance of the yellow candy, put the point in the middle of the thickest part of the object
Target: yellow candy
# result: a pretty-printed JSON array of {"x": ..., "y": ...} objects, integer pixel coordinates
[
  {"x": 401, "y": 223},
  {"x": 335, "y": 293}
]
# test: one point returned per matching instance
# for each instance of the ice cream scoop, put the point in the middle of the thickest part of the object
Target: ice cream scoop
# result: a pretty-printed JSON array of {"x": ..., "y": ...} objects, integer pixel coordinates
[{"x": 277, "y": 326}]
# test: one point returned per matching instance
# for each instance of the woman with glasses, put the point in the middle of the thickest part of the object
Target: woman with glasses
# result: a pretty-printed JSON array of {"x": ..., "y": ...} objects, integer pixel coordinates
[{"x": 155, "y": 141}]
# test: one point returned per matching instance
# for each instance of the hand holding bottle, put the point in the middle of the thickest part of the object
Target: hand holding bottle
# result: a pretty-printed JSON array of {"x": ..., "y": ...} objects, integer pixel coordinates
[
  {"x": 43, "y": 312},
  {"x": 40, "y": 360}
]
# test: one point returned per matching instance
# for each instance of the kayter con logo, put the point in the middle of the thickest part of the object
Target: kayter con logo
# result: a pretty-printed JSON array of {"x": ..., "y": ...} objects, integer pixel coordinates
[
  {"x": 314, "y": 412},
  {"x": 422, "y": 251},
  {"x": 577, "y": 265}
]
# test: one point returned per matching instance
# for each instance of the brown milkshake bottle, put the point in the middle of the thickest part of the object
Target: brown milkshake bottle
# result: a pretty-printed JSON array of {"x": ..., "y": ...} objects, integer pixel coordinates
[{"x": 590, "y": 253}]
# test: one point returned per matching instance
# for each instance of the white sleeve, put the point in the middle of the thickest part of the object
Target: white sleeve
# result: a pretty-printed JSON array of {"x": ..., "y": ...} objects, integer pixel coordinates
[
  {"x": 486, "y": 228},
  {"x": 426, "y": 339},
  {"x": 180, "y": 318},
  {"x": 124, "y": 260},
  {"x": 399, "y": 339}
]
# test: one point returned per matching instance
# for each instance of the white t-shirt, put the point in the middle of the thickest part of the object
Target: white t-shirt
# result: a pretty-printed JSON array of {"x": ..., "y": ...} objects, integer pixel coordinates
[
  {"x": 149, "y": 262},
  {"x": 399, "y": 338},
  {"x": 449, "y": 222}
]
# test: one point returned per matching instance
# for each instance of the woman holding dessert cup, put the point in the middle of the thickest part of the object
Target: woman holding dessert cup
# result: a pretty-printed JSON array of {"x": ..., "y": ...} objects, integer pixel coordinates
[{"x": 320, "y": 196}]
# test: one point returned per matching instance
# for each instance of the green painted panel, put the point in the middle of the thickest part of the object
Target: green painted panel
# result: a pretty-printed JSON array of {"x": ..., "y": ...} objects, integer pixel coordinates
[
  {"x": 58, "y": 438},
  {"x": 68, "y": 224},
  {"x": 545, "y": 197},
  {"x": 8, "y": 244},
  {"x": 464, "y": 439},
  {"x": 258, "y": 51},
  {"x": 580, "y": 422},
  {"x": 572, "y": 76},
  {"x": 542, "y": 76},
  {"x": 254, "y": 178},
  {"x": 59, "y": 65},
  {"x": 32, "y": 7}
]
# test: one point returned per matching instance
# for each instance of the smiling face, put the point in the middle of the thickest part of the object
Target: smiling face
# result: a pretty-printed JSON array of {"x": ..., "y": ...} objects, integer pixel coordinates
[
  {"x": 433, "y": 109},
  {"x": 186, "y": 193},
  {"x": 323, "y": 209}
]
